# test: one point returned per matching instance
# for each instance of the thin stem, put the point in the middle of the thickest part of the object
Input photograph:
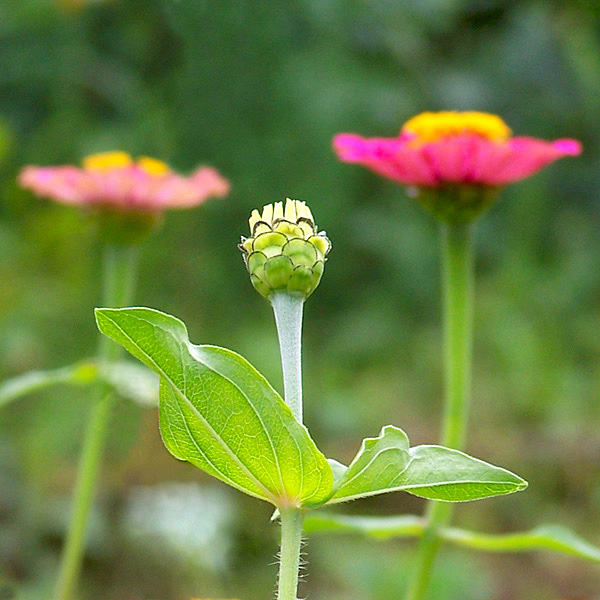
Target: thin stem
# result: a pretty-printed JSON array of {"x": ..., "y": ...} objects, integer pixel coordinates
[
  {"x": 288, "y": 317},
  {"x": 291, "y": 541},
  {"x": 457, "y": 250},
  {"x": 118, "y": 276},
  {"x": 458, "y": 330}
]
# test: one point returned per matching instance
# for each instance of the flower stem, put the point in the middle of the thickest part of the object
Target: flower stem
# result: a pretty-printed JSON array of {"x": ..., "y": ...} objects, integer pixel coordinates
[
  {"x": 291, "y": 540},
  {"x": 118, "y": 276},
  {"x": 457, "y": 250},
  {"x": 288, "y": 318}
]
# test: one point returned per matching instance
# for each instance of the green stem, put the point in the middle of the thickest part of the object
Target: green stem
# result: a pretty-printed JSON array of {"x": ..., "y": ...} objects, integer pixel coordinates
[
  {"x": 457, "y": 244},
  {"x": 291, "y": 541},
  {"x": 118, "y": 277},
  {"x": 288, "y": 317}
]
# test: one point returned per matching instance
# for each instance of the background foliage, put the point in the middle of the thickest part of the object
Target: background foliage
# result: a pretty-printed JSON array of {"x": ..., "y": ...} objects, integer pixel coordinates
[{"x": 258, "y": 89}]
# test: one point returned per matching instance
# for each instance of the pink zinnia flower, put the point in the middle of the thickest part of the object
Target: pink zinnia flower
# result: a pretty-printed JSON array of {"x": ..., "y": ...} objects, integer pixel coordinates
[
  {"x": 437, "y": 151},
  {"x": 113, "y": 180}
]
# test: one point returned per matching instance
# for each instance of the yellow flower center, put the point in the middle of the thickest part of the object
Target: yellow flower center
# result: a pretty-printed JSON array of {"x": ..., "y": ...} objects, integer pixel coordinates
[
  {"x": 107, "y": 161},
  {"x": 152, "y": 165},
  {"x": 430, "y": 126}
]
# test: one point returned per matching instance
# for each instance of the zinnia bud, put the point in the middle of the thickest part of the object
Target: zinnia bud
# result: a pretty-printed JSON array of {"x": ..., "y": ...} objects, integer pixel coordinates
[{"x": 284, "y": 252}]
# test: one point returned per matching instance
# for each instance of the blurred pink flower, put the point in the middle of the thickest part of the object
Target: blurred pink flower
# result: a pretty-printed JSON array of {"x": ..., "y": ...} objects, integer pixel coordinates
[
  {"x": 470, "y": 148},
  {"x": 114, "y": 180}
]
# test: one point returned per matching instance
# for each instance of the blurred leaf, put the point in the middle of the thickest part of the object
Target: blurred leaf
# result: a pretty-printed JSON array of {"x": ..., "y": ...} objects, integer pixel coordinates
[
  {"x": 129, "y": 381},
  {"x": 220, "y": 414},
  {"x": 376, "y": 527},
  {"x": 551, "y": 538},
  {"x": 27, "y": 383},
  {"x": 387, "y": 464},
  {"x": 133, "y": 382}
]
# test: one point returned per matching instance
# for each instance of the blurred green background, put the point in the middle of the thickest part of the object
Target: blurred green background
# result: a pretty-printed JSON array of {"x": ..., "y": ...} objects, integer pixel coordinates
[{"x": 258, "y": 89}]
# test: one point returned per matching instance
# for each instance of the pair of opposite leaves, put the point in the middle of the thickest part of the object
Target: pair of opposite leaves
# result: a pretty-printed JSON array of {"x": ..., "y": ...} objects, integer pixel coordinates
[{"x": 220, "y": 414}]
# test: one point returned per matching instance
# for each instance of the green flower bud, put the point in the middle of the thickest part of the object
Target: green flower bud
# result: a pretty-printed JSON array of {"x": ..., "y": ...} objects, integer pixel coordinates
[{"x": 284, "y": 252}]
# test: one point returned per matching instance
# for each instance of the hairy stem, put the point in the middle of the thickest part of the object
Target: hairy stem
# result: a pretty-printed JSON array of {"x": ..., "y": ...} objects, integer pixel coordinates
[
  {"x": 118, "y": 277},
  {"x": 291, "y": 540},
  {"x": 457, "y": 244}
]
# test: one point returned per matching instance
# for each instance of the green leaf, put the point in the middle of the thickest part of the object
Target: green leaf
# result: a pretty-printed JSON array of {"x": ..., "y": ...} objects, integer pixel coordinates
[
  {"x": 387, "y": 464},
  {"x": 129, "y": 381},
  {"x": 549, "y": 538},
  {"x": 220, "y": 414},
  {"x": 338, "y": 470},
  {"x": 12, "y": 389},
  {"x": 545, "y": 537},
  {"x": 401, "y": 526},
  {"x": 376, "y": 468},
  {"x": 440, "y": 473}
]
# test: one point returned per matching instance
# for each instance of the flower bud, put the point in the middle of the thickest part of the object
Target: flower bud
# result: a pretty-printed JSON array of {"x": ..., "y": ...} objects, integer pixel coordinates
[{"x": 284, "y": 252}]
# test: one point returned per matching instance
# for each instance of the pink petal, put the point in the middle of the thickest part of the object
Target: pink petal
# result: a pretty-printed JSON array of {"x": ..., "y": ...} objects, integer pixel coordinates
[
  {"x": 393, "y": 158},
  {"x": 467, "y": 158},
  {"x": 455, "y": 159},
  {"x": 524, "y": 156},
  {"x": 59, "y": 183},
  {"x": 125, "y": 188}
]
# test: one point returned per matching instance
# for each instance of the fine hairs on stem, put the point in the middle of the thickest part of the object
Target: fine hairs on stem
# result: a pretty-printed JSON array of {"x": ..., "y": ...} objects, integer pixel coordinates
[
  {"x": 291, "y": 543},
  {"x": 302, "y": 565}
]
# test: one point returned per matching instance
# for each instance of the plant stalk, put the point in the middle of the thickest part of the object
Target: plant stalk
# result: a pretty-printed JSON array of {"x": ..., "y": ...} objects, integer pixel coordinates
[
  {"x": 118, "y": 282},
  {"x": 288, "y": 311},
  {"x": 288, "y": 318},
  {"x": 291, "y": 541},
  {"x": 458, "y": 278}
]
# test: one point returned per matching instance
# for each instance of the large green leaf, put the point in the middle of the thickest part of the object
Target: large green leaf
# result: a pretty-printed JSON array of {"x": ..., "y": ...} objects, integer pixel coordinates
[
  {"x": 387, "y": 464},
  {"x": 220, "y": 414}
]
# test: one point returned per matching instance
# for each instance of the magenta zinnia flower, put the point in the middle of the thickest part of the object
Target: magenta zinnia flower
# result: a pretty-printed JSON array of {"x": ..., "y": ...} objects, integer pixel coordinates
[
  {"x": 471, "y": 152},
  {"x": 113, "y": 180}
]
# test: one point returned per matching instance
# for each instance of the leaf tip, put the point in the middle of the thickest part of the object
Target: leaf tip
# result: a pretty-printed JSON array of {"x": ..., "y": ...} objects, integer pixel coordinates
[
  {"x": 521, "y": 485},
  {"x": 102, "y": 316},
  {"x": 99, "y": 315}
]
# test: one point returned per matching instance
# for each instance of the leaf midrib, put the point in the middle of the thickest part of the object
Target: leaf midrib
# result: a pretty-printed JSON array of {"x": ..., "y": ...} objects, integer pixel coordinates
[
  {"x": 283, "y": 424},
  {"x": 403, "y": 488},
  {"x": 259, "y": 417}
]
